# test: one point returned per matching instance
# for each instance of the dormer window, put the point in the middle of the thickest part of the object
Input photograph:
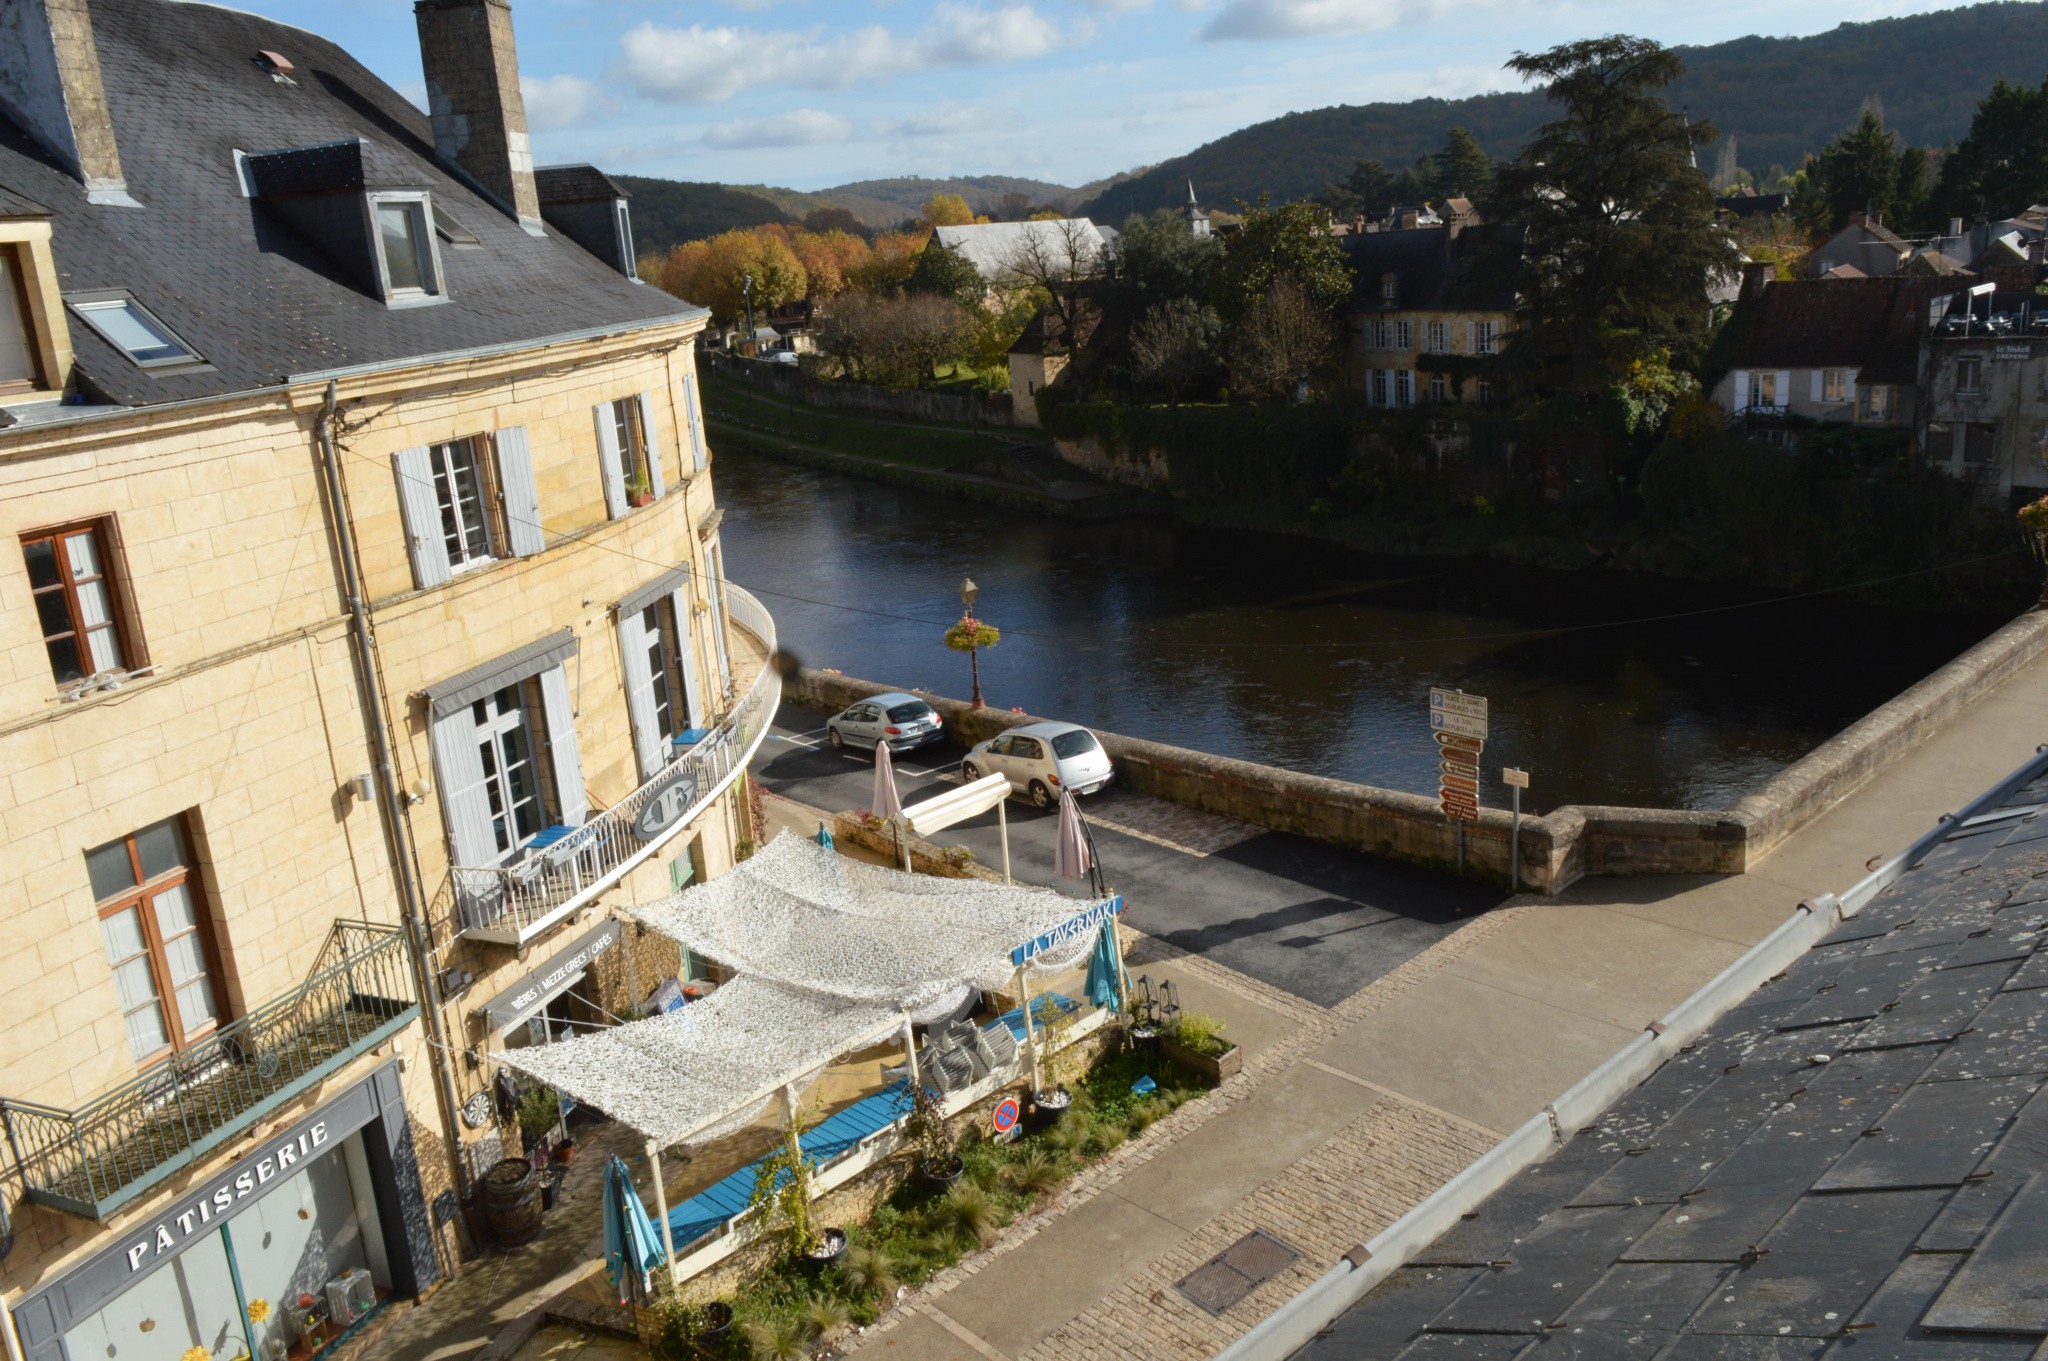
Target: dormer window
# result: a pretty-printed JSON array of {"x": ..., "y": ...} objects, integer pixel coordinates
[
  {"x": 407, "y": 259},
  {"x": 130, "y": 328},
  {"x": 1390, "y": 289}
]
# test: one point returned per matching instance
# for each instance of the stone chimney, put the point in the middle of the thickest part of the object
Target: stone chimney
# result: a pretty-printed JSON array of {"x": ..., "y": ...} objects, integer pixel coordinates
[
  {"x": 473, "y": 97},
  {"x": 50, "y": 84}
]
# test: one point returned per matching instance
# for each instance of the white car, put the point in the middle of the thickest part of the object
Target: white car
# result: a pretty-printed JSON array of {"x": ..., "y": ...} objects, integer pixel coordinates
[{"x": 1041, "y": 759}]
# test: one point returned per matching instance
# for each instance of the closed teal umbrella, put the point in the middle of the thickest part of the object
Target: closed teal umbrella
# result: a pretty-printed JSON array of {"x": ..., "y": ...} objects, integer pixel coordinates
[
  {"x": 824, "y": 837},
  {"x": 632, "y": 1246},
  {"x": 1103, "y": 967}
]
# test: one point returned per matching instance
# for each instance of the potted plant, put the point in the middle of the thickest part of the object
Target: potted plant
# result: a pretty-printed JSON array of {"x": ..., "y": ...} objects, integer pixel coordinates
[
  {"x": 1144, "y": 1022},
  {"x": 638, "y": 493},
  {"x": 540, "y": 1111},
  {"x": 1196, "y": 1042},
  {"x": 782, "y": 1188},
  {"x": 930, "y": 1141},
  {"x": 1049, "y": 1104}
]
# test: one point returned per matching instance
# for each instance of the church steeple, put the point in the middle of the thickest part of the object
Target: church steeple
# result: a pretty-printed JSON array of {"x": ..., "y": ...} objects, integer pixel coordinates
[{"x": 1194, "y": 215}]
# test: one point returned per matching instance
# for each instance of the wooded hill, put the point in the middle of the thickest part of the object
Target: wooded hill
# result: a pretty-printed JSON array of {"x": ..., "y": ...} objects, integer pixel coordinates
[{"x": 1778, "y": 97}]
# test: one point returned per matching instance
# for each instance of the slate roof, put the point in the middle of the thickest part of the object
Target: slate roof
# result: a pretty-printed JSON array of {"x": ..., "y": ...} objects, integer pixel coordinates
[
  {"x": 1751, "y": 1201},
  {"x": 1871, "y": 324},
  {"x": 1435, "y": 268},
  {"x": 575, "y": 184},
  {"x": 258, "y": 300}
]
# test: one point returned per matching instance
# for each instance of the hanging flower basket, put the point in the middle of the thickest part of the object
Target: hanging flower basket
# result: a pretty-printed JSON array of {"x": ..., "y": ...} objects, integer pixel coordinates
[
  {"x": 971, "y": 634},
  {"x": 2033, "y": 519}
]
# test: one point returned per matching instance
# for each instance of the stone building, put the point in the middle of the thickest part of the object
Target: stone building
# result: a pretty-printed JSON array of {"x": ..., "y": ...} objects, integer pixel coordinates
[
  {"x": 1983, "y": 408},
  {"x": 1424, "y": 324},
  {"x": 368, "y": 634}
]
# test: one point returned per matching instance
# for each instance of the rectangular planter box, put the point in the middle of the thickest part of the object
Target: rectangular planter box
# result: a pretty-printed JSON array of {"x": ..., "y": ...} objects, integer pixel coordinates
[{"x": 1224, "y": 1065}]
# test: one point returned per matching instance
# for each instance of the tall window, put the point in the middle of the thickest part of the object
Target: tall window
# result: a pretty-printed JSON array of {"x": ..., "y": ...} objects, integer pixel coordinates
[
  {"x": 407, "y": 254},
  {"x": 1439, "y": 337},
  {"x": 18, "y": 369},
  {"x": 635, "y": 449},
  {"x": 459, "y": 492},
  {"x": 67, "y": 573},
  {"x": 1763, "y": 389},
  {"x": 154, "y": 931},
  {"x": 658, "y": 625},
  {"x": 1876, "y": 402},
  {"x": 1404, "y": 387},
  {"x": 1969, "y": 374},
  {"x": 1436, "y": 387},
  {"x": 1834, "y": 385},
  {"x": 504, "y": 741},
  {"x": 1404, "y": 335},
  {"x": 1485, "y": 337}
]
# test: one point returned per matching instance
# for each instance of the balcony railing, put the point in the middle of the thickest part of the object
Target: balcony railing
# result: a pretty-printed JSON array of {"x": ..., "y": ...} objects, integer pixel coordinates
[
  {"x": 92, "y": 1160},
  {"x": 512, "y": 904}
]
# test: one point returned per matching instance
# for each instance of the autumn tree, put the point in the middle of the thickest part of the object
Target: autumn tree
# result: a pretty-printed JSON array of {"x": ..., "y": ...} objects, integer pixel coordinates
[
  {"x": 829, "y": 260},
  {"x": 714, "y": 272},
  {"x": 824, "y": 220},
  {"x": 1284, "y": 339},
  {"x": 889, "y": 262},
  {"x": 896, "y": 340},
  {"x": 1621, "y": 238},
  {"x": 946, "y": 210}
]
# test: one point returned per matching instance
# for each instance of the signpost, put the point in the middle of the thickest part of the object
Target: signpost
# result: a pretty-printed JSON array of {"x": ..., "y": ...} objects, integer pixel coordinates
[
  {"x": 1458, "y": 723},
  {"x": 1516, "y": 781}
]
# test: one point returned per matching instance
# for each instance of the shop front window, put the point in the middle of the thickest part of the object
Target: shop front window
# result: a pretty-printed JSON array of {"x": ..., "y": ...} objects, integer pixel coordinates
[{"x": 280, "y": 1281}]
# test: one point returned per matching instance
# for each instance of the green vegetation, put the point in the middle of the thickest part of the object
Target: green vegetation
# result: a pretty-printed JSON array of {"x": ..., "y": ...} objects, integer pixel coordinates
[
  {"x": 1203, "y": 1034},
  {"x": 1779, "y": 98},
  {"x": 919, "y": 1230}
]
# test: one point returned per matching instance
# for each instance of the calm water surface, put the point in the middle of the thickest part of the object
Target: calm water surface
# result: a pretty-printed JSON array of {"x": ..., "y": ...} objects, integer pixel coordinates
[{"x": 1316, "y": 658}]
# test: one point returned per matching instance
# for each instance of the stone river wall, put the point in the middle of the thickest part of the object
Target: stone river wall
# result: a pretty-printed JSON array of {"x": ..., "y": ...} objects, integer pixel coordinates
[{"x": 1559, "y": 847}]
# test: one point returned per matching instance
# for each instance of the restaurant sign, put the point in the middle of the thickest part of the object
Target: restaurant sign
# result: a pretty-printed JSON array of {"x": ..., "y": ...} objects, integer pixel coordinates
[
  {"x": 1067, "y": 930},
  {"x": 548, "y": 982},
  {"x": 665, "y": 806}
]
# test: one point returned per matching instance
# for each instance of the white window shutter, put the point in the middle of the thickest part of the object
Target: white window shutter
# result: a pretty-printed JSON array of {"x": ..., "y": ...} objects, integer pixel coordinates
[
  {"x": 1849, "y": 391},
  {"x": 639, "y": 682},
  {"x": 714, "y": 558},
  {"x": 1471, "y": 337},
  {"x": 465, "y": 808},
  {"x": 1817, "y": 375},
  {"x": 1740, "y": 397},
  {"x": 686, "y": 660},
  {"x": 420, "y": 512},
  {"x": 655, "y": 482},
  {"x": 522, "y": 494},
  {"x": 1784, "y": 393},
  {"x": 567, "y": 760},
  {"x": 609, "y": 465}
]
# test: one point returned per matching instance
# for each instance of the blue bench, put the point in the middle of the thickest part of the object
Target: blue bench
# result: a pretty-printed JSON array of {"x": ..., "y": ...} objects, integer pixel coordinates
[{"x": 1047, "y": 1006}]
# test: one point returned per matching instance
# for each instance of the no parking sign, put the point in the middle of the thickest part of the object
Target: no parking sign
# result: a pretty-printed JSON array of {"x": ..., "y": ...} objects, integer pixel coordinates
[{"x": 1005, "y": 1116}]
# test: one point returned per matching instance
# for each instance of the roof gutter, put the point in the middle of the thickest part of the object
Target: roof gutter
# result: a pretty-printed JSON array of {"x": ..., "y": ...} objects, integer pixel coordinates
[
  {"x": 492, "y": 351},
  {"x": 1299, "y": 1320}
]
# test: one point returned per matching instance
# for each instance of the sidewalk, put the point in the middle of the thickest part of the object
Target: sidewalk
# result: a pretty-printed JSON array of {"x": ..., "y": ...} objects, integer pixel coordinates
[{"x": 1346, "y": 1116}]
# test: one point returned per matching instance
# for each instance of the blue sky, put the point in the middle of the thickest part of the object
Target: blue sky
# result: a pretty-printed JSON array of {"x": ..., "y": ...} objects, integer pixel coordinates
[{"x": 811, "y": 93}]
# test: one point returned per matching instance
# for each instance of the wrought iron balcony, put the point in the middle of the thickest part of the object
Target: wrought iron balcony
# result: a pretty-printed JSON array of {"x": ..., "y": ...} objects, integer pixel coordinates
[
  {"x": 512, "y": 904},
  {"x": 92, "y": 1160}
]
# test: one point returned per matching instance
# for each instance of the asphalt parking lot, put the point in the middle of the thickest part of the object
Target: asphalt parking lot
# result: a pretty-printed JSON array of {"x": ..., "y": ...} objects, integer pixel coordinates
[{"x": 1312, "y": 919}]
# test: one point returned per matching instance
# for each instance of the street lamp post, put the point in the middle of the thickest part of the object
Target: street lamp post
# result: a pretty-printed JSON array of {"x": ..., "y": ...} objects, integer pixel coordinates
[{"x": 968, "y": 590}]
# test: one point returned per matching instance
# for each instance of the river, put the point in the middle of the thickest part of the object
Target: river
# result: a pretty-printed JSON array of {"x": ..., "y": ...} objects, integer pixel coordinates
[{"x": 1607, "y": 688}]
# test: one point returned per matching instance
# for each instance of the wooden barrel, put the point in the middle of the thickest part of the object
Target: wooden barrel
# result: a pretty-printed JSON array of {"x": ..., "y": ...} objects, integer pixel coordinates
[{"x": 512, "y": 1202}]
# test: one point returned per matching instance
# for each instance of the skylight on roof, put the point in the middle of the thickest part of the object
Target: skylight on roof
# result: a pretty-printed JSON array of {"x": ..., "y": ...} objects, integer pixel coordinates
[{"x": 125, "y": 324}]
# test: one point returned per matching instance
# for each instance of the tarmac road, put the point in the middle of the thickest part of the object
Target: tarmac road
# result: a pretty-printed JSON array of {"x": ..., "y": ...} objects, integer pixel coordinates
[{"x": 1312, "y": 919}]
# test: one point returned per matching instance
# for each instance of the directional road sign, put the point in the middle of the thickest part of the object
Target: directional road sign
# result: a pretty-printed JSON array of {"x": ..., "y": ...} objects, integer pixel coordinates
[{"x": 1458, "y": 723}]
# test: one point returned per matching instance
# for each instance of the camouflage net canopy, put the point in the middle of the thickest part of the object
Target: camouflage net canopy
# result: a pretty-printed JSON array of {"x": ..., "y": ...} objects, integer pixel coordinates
[{"x": 831, "y": 956}]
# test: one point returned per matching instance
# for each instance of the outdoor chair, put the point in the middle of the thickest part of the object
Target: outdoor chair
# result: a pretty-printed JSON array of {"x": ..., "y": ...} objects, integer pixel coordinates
[{"x": 996, "y": 1046}]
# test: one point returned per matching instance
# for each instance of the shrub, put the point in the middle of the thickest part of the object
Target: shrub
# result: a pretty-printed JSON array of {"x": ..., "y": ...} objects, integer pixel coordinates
[
  {"x": 780, "y": 1338},
  {"x": 1035, "y": 1171},
  {"x": 824, "y": 1313},
  {"x": 969, "y": 1211},
  {"x": 1203, "y": 1034},
  {"x": 868, "y": 1269}
]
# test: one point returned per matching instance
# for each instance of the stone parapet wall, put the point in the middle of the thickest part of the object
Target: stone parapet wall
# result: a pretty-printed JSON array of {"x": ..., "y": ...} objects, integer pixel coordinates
[{"x": 1557, "y": 848}]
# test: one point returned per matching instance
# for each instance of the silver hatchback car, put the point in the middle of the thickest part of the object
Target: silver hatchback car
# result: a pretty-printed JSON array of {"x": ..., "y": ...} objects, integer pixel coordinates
[
  {"x": 1041, "y": 759},
  {"x": 905, "y": 722}
]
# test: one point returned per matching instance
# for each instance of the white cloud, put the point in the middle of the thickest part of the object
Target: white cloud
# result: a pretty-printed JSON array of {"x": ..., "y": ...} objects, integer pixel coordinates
[
  {"x": 799, "y": 127},
  {"x": 1115, "y": 6},
  {"x": 705, "y": 64},
  {"x": 943, "y": 120},
  {"x": 556, "y": 102},
  {"x": 1300, "y": 18}
]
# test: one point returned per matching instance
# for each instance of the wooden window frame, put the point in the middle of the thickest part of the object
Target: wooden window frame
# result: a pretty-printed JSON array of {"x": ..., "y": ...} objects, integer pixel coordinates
[
  {"x": 17, "y": 271},
  {"x": 141, "y": 899},
  {"x": 113, "y": 571}
]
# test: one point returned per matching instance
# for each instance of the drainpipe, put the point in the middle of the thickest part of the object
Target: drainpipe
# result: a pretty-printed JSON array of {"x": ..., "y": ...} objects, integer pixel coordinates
[{"x": 392, "y": 805}]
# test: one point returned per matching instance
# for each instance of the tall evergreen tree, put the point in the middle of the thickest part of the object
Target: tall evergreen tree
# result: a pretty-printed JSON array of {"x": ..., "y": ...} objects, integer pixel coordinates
[
  {"x": 1622, "y": 242},
  {"x": 2001, "y": 166},
  {"x": 1460, "y": 169},
  {"x": 1864, "y": 170}
]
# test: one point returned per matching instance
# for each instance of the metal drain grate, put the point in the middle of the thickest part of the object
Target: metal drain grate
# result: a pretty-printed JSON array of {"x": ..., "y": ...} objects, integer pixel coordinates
[{"x": 1236, "y": 1271}]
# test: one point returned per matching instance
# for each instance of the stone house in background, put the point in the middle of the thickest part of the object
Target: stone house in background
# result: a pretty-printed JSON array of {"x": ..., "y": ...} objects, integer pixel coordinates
[
  {"x": 1423, "y": 322},
  {"x": 1825, "y": 349},
  {"x": 365, "y": 591},
  {"x": 1983, "y": 411}
]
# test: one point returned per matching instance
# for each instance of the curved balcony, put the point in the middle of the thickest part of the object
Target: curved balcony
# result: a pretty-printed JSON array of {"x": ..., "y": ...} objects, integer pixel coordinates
[{"x": 513, "y": 904}]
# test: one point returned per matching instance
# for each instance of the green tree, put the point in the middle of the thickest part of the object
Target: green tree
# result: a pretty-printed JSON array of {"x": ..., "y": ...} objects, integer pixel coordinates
[
  {"x": 1621, "y": 238},
  {"x": 1864, "y": 170},
  {"x": 1174, "y": 344},
  {"x": 1461, "y": 169},
  {"x": 1157, "y": 258},
  {"x": 2001, "y": 166},
  {"x": 1290, "y": 241},
  {"x": 946, "y": 272},
  {"x": 1371, "y": 189}
]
